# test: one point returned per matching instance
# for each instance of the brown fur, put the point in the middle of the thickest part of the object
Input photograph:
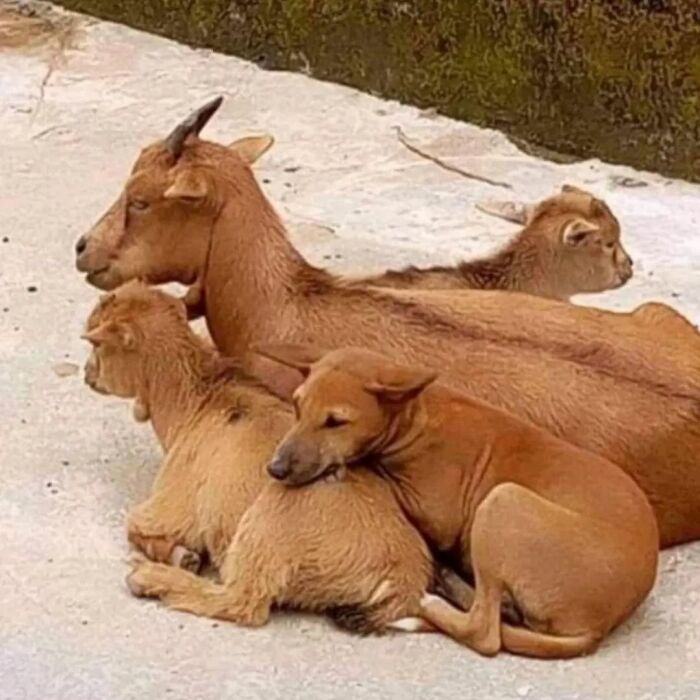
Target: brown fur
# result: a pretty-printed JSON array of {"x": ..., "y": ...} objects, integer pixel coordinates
[
  {"x": 613, "y": 383},
  {"x": 568, "y": 534},
  {"x": 663, "y": 316},
  {"x": 570, "y": 245},
  {"x": 338, "y": 547}
]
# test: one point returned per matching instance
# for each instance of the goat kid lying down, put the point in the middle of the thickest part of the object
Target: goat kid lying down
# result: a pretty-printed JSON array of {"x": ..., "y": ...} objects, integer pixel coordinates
[
  {"x": 569, "y": 244},
  {"x": 342, "y": 547}
]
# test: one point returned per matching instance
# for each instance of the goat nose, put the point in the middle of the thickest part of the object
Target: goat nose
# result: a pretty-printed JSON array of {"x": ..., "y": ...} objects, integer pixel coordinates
[
  {"x": 81, "y": 245},
  {"x": 280, "y": 468}
]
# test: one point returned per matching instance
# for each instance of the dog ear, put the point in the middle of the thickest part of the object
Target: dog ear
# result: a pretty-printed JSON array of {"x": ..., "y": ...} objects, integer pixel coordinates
[
  {"x": 252, "y": 148},
  {"x": 300, "y": 357},
  {"x": 400, "y": 384}
]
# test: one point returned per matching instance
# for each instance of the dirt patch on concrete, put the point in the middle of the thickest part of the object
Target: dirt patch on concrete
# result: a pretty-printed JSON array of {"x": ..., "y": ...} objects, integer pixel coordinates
[{"x": 36, "y": 27}]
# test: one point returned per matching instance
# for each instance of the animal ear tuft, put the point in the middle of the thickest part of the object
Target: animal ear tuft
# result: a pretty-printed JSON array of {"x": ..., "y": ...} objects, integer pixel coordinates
[
  {"x": 188, "y": 184},
  {"x": 400, "y": 384},
  {"x": 107, "y": 299},
  {"x": 577, "y": 231},
  {"x": 572, "y": 189},
  {"x": 252, "y": 148},
  {"x": 97, "y": 336},
  {"x": 112, "y": 334}
]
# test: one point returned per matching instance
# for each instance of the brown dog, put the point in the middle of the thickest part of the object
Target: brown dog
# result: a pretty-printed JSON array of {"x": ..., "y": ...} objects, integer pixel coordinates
[{"x": 567, "y": 534}]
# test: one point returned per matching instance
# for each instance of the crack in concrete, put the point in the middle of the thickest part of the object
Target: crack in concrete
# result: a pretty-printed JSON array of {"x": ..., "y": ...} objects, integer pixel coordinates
[
  {"x": 64, "y": 35},
  {"x": 37, "y": 27},
  {"x": 446, "y": 166}
]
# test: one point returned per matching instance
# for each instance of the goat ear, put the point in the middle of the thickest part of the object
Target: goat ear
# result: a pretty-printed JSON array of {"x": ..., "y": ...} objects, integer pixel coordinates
[
  {"x": 97, "y": 336},
  {"x": 300, "y": 357},
  {"x": 577, "y": 231},
  {"x": 252, "y": 148},
  {"x": 188, "y": 184},
  {"x": 107, "y": 299},
  {"x": 401, "y": 384},
  {"x": 111, "y": 333},
  {"x": 517, "y": 212}
]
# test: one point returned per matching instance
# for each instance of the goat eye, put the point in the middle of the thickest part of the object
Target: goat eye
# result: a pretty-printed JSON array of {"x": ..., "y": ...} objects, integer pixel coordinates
[
  {"x": 334, "y": 421},
  {"x": 138, "y": 204},
  {"x": 610, "y": 245}
]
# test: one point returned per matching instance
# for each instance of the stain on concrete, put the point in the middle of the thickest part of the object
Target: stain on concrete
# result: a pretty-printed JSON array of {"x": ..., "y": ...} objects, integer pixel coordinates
[{"x": 35, "y": 27}]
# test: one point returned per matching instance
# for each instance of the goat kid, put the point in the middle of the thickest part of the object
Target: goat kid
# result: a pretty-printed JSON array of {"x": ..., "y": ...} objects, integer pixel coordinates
[
  {"x": 570, "y": 244},
  {"x": 339, "y": 547}
]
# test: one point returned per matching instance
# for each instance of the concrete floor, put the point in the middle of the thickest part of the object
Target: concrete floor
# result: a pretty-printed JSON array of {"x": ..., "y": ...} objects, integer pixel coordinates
[{"x": 77, "y": 100}]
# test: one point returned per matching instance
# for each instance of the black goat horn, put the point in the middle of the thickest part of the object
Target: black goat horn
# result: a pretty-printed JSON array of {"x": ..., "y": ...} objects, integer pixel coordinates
[{"x": 175, "y": 142}]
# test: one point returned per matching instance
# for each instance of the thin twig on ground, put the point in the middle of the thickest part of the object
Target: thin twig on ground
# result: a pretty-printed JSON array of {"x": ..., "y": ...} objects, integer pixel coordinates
[{"x": 446, "y": 166}]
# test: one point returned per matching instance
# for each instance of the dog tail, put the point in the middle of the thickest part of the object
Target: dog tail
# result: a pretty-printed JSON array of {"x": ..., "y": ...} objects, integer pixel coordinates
[{"x": 527, "y": 642}]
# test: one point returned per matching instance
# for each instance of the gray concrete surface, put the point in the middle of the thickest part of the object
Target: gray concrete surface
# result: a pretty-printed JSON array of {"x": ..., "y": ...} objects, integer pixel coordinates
[{"x": 77, "y": 100}]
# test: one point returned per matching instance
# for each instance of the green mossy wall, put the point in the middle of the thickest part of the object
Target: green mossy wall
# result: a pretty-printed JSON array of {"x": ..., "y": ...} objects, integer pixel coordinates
[{"x": 617, "y": 79}]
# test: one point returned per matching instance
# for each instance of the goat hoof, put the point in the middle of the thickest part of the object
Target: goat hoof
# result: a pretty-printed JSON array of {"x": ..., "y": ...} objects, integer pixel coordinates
[{"x": 186, "y": 559}]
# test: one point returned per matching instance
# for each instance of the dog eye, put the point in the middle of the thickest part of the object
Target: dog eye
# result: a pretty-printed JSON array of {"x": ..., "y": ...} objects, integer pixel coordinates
[
  {"x": 334, "y": 421},
  {"x": 138, "y": 204}
]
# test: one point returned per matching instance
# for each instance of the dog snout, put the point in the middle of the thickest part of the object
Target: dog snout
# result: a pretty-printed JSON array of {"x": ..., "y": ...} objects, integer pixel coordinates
[{"x": 280, "y": 468}]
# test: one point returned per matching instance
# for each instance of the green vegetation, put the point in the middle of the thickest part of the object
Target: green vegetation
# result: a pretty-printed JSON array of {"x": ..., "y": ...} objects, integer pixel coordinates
[{"x": 617, "y": 80}]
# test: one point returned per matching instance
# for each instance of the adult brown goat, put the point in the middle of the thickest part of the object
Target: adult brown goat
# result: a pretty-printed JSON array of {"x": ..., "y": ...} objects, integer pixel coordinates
[{"x": 624, "y": 385}]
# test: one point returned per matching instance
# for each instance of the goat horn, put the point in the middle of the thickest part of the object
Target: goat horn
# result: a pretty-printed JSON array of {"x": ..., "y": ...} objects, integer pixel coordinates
[{"x": 175, "y": 142}]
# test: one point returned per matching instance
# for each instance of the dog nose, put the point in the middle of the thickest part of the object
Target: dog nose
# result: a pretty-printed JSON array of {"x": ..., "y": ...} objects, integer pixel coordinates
[
  {"x": 81, "y": 245},
  {"x": 280, "y": 468}
]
